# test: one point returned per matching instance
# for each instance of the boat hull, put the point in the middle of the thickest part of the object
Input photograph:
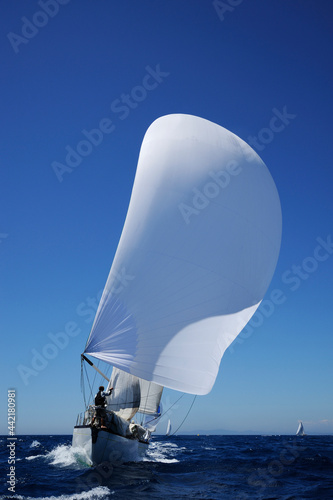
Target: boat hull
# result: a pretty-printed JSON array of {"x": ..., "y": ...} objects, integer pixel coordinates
[{"x": 103, "y": 446}]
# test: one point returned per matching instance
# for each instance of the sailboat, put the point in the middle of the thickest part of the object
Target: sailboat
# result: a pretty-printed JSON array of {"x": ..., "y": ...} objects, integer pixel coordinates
[
  {"x": 168, "y": 431},
  {"x": 300, "y": 429},
  {"x": 196, "y": 255}
]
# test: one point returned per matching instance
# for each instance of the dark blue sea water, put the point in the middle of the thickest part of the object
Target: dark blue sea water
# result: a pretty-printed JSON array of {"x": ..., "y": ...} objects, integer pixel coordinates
[{"x": 198, "y": 467}]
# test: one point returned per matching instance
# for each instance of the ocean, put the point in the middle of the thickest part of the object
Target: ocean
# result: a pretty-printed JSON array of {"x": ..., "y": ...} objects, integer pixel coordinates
[{"x": 178, "y": 467}]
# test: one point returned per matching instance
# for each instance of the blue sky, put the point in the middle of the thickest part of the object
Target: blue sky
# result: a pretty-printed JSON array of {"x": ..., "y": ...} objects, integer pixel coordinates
[{"x": 84, "y": 67}]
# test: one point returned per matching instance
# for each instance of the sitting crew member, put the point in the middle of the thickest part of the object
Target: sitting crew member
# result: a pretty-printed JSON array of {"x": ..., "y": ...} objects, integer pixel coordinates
[{"x": 100, "y": 403}]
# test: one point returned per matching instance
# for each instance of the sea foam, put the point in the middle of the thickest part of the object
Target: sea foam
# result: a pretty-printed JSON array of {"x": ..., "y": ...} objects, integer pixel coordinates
[
  {"x": 162, "y": 452},
  {"x": 64, "y": 456},
  {"x": 35, "y": 444},
  {"x": 94, "y": 494}
]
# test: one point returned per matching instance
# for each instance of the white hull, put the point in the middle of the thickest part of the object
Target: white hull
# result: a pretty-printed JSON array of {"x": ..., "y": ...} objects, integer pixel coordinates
[{"x": 108, "y": 447}]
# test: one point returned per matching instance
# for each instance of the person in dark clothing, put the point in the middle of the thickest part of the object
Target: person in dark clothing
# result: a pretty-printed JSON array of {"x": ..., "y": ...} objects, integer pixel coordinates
[{"x": 100, "y": 403}]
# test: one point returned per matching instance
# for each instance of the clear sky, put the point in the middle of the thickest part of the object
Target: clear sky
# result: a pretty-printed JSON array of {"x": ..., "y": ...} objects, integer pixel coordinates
[{"x": 73, "y": 66}]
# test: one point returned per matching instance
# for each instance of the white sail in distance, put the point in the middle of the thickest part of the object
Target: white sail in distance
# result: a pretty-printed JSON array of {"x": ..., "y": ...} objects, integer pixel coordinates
[
  {"x": 300, "y": 430},
  {"x": 197, "y": 253}
]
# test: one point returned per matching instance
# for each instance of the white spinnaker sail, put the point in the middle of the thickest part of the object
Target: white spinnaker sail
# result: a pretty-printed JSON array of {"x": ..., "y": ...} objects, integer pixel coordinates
[{"x": 197, "y": 253}]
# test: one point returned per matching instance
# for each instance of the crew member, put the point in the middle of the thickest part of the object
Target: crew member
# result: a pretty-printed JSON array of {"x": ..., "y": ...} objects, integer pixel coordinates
[{"x": 100, "y": 403}]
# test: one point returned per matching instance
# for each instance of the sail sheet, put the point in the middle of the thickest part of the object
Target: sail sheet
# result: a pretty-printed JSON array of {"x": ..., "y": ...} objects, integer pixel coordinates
[{"x": 197, "y": 253}]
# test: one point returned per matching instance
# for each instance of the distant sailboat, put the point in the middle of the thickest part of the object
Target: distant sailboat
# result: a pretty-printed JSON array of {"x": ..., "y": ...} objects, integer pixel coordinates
[
  {"x": 300, "y": 430},
  {"x": 168, "y": 431}
]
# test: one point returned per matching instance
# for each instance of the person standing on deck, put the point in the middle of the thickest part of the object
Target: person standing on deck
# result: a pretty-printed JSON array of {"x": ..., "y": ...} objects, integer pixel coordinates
[{"x": 100, "y": 403}]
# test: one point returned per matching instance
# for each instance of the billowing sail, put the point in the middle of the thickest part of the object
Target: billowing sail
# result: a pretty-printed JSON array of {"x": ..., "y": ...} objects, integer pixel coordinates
[
  {"x": 197, "y": 253},
  {"x": 168, "y": 431}
]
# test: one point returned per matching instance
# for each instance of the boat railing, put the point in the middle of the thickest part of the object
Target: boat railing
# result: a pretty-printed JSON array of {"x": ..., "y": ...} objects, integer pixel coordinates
[
  {"x": 79, "y": 419},
  {"x": 84, "y": 418}
]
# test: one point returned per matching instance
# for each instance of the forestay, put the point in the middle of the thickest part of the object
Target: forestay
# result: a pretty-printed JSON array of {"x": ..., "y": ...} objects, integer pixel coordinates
[{"x": 197, "y": 253}]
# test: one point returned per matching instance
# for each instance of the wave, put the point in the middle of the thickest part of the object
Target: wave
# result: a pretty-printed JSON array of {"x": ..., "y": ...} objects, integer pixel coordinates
[
  {"x": 100, "y": 492},
  {"x": 34, "y": 456},
  {"x": 35, "y": 444},
  {"x": 65, "y": 456},
  {"x": 162, "y": 452}
]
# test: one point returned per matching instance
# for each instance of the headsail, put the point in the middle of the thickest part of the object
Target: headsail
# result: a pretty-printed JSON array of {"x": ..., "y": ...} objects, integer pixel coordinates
[
  {"x": 150, "y": 397},
  {"x": 131, "y": 395},
  {"x": 125, "y": 397},
  {"x": 197, "y": 253}
]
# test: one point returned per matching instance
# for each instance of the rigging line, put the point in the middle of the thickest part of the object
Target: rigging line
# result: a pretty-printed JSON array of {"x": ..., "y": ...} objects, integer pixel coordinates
[
  {"x": 95, "y": 374},
  {"x": 82, "y": 385},
  {"x": 107, "y": 373},
  {"x": 81, "y": 378},
  {"x": 137, "y": 403},
  {"x": 185, "y": 417},
  {"x": 180, "y": 397},
  {"x": 91, "y": 392},
  {"x": 146, "y": 402}
]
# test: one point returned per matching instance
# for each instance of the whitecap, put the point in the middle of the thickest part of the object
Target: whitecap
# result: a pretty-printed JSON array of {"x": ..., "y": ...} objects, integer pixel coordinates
[
  {"x": 35, "y": 444},
  {"x": 65, "y": 455},
  {"x": 162, "y": 452},
  {"x": 97, "y": 493}
]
